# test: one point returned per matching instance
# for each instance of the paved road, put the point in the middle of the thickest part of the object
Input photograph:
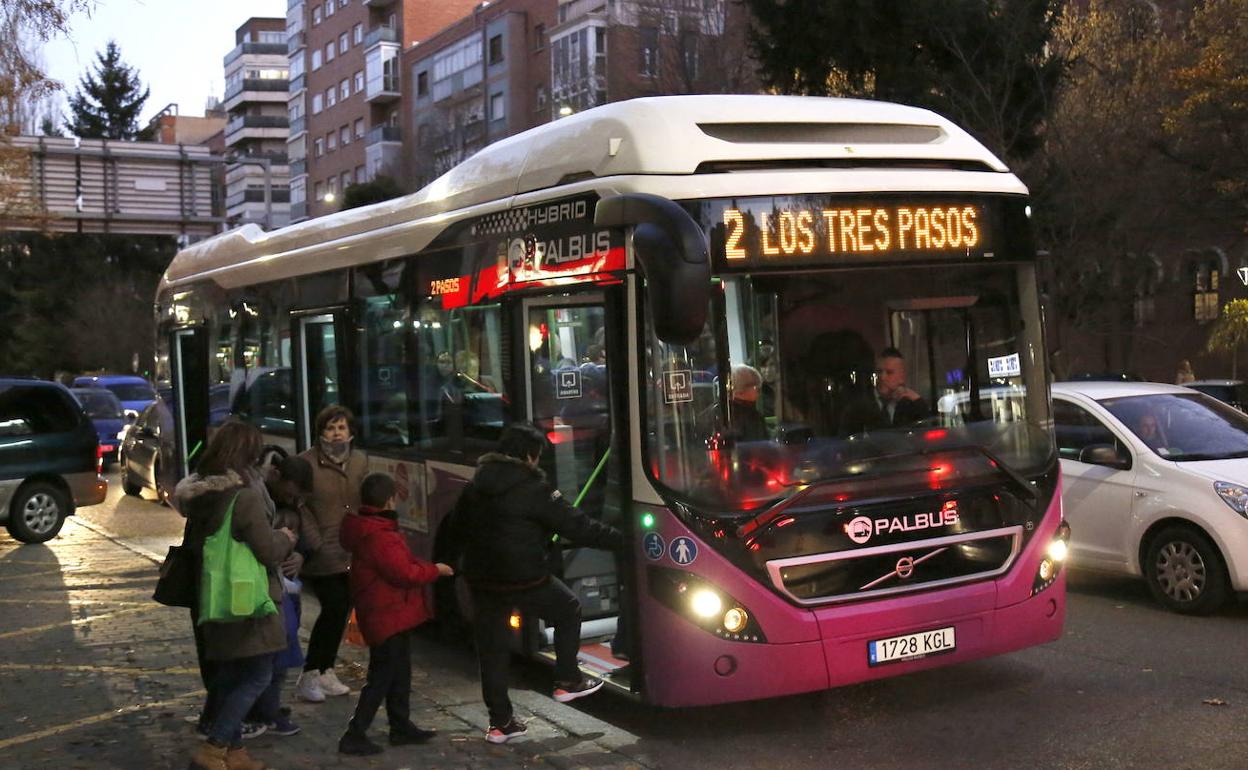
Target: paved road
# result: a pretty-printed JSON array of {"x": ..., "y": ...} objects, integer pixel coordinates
[{"x": 1129, "y": 685}]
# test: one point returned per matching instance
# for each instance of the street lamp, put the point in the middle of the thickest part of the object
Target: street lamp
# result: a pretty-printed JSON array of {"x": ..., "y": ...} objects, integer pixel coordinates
[
  {"x": 328, "y": 198},
  {"x": 244, "y": 160},
  {"x": 565, "y": 111}
]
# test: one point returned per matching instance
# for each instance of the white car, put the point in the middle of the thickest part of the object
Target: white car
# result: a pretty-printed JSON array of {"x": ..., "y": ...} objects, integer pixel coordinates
[{"x": 1155, "y": 484}]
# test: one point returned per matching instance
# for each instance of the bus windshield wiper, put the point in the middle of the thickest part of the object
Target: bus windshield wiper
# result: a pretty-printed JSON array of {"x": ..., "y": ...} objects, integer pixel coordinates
[{"x": 1019, "y": 480}]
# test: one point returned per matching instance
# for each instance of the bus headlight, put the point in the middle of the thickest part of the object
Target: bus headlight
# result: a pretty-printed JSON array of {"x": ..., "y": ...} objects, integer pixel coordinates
[
  {"x": 1054, "y": 557},
  {"x": 700, "y": 602}
]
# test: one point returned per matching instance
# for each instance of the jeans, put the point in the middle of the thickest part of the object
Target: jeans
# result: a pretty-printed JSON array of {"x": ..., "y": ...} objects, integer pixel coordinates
[
  {"x": 207, "y": 669},
  {"x": 389, "y": 679},
  {"x": 268, "y": 706},
  {"x": 334, "y": 594},
  {"x": 553, "y": 603},
  {"x": 237, "y": 685}
]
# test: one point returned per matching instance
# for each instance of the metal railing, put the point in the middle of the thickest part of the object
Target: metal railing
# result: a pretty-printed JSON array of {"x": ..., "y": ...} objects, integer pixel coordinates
[
  {"x": 254, "y": 48},
  {"x": 257, "y": 84},
  {"x": 256, "y": 121},
  {"x": 382, "y": 34},
  {"x": 383, "y": 134}
]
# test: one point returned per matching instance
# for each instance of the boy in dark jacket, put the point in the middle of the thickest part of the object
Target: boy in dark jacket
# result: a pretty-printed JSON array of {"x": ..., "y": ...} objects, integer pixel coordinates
[
  {"x": 388, "y": 595},
  {"x": 504, "y": 521}
]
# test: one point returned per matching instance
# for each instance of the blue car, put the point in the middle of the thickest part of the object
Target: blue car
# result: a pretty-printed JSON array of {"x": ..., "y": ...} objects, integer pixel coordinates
[
  {"x": 106, "y": 415},
  {"x": 134, "y": 393}
]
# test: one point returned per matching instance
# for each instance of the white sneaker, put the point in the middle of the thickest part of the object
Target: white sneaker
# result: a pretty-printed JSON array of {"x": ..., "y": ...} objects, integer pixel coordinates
[
  {"x": 308, "y": 688},
  {"x": 330, "y": 684}
]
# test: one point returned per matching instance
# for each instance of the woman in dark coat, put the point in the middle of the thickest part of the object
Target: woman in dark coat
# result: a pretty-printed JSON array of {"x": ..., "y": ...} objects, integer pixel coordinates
[{"x": 241, "y": 651}]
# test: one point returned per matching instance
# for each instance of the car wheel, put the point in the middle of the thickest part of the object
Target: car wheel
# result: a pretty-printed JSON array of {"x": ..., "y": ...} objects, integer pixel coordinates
[
  {"x": 1185, "y": 571},
  {"x": 37, "y": 513},
  {"x": 129, "y": 485}
]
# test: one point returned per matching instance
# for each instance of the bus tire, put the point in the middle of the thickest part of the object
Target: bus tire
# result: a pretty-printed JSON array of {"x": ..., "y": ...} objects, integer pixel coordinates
[{"x": 1185, "y": 571}]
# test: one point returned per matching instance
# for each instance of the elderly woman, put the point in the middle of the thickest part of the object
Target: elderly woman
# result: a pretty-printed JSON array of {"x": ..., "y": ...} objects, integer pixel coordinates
[
  {"x": 241, "y": 651},
  {"x": 337, "y": 473}
]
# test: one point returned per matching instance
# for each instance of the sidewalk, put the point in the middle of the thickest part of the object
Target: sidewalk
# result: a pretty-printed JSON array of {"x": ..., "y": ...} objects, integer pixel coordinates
[{"x": 93, "y": 674}]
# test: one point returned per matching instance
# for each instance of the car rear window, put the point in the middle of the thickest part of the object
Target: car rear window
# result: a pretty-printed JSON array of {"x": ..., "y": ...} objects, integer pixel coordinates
[
  {"x": 127, "y": 391},
  {"x": 99, "y": 406},
  {"x": 30, "y": 410}
]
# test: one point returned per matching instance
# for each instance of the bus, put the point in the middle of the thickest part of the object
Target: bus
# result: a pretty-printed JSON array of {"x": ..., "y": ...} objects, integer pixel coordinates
[{"x": 607, "y": 277}]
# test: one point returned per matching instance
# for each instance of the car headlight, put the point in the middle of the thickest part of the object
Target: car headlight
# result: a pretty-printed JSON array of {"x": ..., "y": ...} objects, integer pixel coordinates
[
  {"x": 131, "y": 415},
  {"x": 1233, "y": 495}
]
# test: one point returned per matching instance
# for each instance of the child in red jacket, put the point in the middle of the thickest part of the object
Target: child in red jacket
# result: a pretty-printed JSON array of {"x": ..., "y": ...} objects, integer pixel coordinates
[{"x": 387, "y": 591}]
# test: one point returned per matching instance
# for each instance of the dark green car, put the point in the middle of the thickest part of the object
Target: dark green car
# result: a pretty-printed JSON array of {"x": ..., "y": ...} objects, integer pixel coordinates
[{"x": 49, "y": 459}]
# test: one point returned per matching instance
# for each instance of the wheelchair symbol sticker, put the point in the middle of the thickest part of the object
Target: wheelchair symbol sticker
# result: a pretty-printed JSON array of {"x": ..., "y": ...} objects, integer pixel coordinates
[
  {"x": 654, "y": 545},
  {"x": 683, "y": 550}
]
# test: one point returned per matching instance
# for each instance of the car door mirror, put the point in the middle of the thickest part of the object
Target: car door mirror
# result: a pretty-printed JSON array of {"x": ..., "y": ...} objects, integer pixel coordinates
[{"x": 1109, "y": 455}]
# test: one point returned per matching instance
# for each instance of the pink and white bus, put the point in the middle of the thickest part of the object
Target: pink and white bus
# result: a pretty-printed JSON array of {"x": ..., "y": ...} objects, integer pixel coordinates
[{"x": 608, "y": 276}]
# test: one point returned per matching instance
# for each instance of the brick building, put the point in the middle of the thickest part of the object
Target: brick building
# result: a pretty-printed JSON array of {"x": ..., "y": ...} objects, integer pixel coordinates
[
  {"x": 485, "y": 77},
  {"x": 257, "y": 174},
  {"x": 345, "y": 89}
]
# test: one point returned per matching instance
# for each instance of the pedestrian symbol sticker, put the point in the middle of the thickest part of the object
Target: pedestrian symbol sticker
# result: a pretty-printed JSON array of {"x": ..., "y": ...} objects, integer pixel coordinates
[
  {"x": 653, "y": 543},
  {"x": 683, "y": 550}
]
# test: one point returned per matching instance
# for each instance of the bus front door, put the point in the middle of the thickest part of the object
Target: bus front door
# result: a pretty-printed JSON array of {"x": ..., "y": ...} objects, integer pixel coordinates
[
  {"x": 318, "y": 358},
  {"x": 570, "y": 400},
  {"x": 190, "y": 395}
]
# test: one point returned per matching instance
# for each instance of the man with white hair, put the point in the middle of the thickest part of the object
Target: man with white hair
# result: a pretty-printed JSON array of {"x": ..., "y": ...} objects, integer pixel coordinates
[{"x": 747, "y": 422}]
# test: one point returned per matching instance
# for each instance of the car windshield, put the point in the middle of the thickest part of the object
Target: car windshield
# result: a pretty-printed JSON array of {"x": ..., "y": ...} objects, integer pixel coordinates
[
  {"x": 801, "y": 378},
  {"x": 99, "y": 404},
  {"x": 1184, "y": 426},
  {"x": 133, "y": 391}
]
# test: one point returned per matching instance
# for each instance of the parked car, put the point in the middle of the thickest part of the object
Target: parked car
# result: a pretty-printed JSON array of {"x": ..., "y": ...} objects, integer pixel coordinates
[
  {"x": 1232, "y": 392},
  {"x": 106, "y": 414},
  {"x": 134, "y": 393},
  {"x": 1155, "y": 484},
  {"x": 147, "y": 453},
  {"x": 50, "y": 461}
]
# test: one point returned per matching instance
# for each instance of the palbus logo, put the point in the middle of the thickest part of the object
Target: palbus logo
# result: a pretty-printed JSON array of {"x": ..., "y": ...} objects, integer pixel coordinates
[
  {"x": 859, "y": 530},
  {"x": 862, "y": 528}
]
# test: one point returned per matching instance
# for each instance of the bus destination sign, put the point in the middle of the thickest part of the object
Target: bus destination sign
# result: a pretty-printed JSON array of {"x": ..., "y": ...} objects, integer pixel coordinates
[{"x": 816, "y": 230}]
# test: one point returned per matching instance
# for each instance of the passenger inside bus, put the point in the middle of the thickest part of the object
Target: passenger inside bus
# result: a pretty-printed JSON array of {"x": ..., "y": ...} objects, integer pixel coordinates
[
  {"x": 747, "y": 422},
  {"x": 891, "y": 402}
]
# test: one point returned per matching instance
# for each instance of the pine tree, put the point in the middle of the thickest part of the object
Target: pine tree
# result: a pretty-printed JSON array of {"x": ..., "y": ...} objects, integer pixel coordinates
[{"x": 108, "y": 102}]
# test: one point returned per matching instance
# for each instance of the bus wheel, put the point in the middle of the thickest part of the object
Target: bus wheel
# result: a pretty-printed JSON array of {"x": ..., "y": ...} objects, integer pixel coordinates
[
  {"x": 1185, "y": 571},
  {"x": 37, "y": 513}
]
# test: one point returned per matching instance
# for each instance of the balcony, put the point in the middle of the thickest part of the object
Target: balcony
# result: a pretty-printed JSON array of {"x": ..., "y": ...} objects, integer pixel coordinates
[
  {"x": 298, "y": 211},
  {"x": 259, "y": 49},
  {"x": 298, "y": 167},
  {"x": 383, "y": 89},
  {"x": 258, "y": 85},
  {"x": 383, "y": 134},
  {"x": 297, "y": 127},
  {"x": 298, "y": 83},
  {"x": 272, "y": 126},
  {"x": 378, "y": 3},
  {"x": 381, "y": 34},
  {"x": 256, "y": 195},
  {"x": 257, "y": 158}
]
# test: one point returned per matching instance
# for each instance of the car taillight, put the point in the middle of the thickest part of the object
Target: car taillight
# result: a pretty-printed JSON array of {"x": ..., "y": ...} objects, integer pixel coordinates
[{"x": 99, "y": 459}]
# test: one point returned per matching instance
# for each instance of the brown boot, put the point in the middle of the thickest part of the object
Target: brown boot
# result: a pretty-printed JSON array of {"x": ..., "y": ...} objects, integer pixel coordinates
[
  {"x": 208, "y": 757},
  {"x": 239, "y": 759}
]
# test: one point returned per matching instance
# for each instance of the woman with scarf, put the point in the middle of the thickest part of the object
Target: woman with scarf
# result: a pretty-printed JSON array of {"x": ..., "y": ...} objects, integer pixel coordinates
[{"x": 337, "y": 473}]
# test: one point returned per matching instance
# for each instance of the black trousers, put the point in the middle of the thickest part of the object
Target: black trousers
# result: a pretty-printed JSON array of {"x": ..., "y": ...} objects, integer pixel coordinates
[
  {"x": 334, "y": 594},
  {"x": 553, "y": 603},
  {"x": 389, "y": 680}
]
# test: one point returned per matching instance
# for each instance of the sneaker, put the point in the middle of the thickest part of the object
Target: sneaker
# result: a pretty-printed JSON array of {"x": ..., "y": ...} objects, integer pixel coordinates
[
  {"x": 283, "y": 726},
  {"x": 201, "y": 732},
  {"x": 357, "y": 745},
  {"x": 308, "y": 688},
  {"x": 330, "y": 684},
  {"x": 410, "y": 734},
  {"x": 254, "y": 730},
  {"x": 570, "y": 691},
  {"x": 510, "y": 731}
]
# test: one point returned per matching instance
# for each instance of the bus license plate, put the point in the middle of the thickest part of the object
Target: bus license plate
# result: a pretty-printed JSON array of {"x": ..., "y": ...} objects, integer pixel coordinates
[{"x": 910, "y": 646}]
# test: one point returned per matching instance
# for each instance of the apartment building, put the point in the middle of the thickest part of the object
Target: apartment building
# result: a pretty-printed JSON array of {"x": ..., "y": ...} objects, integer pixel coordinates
[
  {"x": 343, "y": 103},
  {"x": 257, "y": 174},
  {"x": 480, "y": 79}
]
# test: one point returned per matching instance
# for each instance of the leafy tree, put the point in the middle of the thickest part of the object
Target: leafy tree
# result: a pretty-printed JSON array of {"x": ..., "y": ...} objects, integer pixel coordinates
[
  {"x": 380, "y": 188},
  {"x": 986, "y": 65},
  {"x": 108, "y": 102},
  {"x": 1230, "y": 332}
]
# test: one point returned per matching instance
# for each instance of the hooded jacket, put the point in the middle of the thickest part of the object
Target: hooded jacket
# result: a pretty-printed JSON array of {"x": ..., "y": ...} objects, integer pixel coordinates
[
  {"x": 386, "y": 580},
  {"x": 335, "y": 493},
  {"x": 203, "y": 500},
  {"x": 504, "y": 521}
]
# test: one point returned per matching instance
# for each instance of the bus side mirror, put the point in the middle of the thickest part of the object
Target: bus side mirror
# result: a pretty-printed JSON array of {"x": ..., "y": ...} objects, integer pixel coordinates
[{"x": 674, "y": 257}]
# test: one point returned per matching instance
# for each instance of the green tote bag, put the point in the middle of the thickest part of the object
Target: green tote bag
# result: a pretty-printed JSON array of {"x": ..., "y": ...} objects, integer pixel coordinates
[{"x": 234, "y": 585}]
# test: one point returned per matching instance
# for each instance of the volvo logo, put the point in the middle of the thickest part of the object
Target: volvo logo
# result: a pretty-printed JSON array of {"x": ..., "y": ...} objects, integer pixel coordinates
[{"x": 905, "y": 567}]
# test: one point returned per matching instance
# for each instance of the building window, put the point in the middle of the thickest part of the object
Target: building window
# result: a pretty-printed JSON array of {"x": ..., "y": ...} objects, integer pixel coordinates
[
  {"x": 498, "y": 107},
  {"x": 539, "y": 98},
  {"x": 359, "y": 175},
  {"x": 359, "y": 81},
  {"x": 331, "y": 97},
  {"x": 318, "y": 190},
  {"x": 689, "y": 55},
  {"x": 344, "y": 42},
  {"x": 329, "y": 9},
  {"x": 539, "y": 37},
  {"x": 344, "y": 89},
  {"x": 329, "y": 52},
  {"x": 316, "y": 59},
  {"x": 422, "y": 83},
  {"x": 344, "y": 136},
  {"x": 359, "y": 128},
  {"x": 346, "y": 180},
  {"x": 357, "y": 33},
  {"x": 333, "y": 185},
  {"x": 649, "y": 55},
  {"x": 316, "y": 104},
  {"x": 318, "y": 149},
  {"x": 316, "y": 15},
  {"x": 331, "y": 142},
  {"x": 496, "y": 49},
  {"x": 1206, "y": 307}
]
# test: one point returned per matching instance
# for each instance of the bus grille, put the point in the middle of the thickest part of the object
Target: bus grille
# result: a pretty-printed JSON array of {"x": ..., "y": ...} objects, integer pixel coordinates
[{"x": 866, "y": 573}]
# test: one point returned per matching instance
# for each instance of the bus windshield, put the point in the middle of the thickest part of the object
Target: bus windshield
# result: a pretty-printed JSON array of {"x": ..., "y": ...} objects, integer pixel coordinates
[{"x": 812, "y": 377}]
